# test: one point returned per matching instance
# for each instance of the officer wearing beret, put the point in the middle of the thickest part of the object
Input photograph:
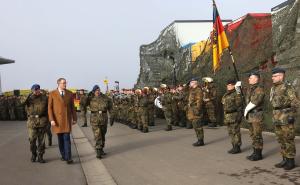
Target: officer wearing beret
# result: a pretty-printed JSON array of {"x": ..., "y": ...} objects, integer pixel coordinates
[
  {"x": 100, "y": 105},
  {"x": 37, "y": 107},
  {"x": 284, "y": 103},
  {"x": 254, "y": 113}
]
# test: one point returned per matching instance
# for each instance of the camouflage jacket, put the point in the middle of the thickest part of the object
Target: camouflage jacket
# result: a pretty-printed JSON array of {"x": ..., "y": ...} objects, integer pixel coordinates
[
  {"x": 284, "y": 102},
  {"x": 255, "y": 94},
  {"x": 195, "y": 102},
  {"x": 209, "y": 93},
  {"x": 37, "y": 110},
  {"x": 83, "y": 102},
  {"x": 166, "y": 100},
  {"x": 232, "y": 106},
  {"x": 99, "y": 106}
]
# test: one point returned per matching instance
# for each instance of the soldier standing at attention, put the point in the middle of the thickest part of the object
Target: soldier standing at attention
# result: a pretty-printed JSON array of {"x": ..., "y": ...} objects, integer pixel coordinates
[
  {"x": 209, "y": 98},
  {"x": 254, "y": 114},
  {"x": 166, "y": 101},
  {"x": 284, "y": 102},
  {"x": 37, "y": 108},
  {"x": 83, "y": 110},
  {"x": 195, "y": 112},
  {"x": 100, "y": 104},
  {"x": 232, "y": 105}
]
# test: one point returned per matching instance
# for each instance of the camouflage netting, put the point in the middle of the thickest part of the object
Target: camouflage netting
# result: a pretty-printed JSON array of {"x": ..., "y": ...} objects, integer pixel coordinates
[{"x": 258, "y": 41}]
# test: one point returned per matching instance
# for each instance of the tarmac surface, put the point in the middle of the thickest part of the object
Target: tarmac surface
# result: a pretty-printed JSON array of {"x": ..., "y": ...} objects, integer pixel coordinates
[{"x": 135, "y": 158}]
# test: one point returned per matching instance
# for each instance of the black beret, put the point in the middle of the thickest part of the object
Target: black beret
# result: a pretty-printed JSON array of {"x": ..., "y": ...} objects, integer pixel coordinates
[
  {"x": 278, "y": 70},
  {"x": 96, "y": 87},
  {"x": 256, "y": 73},
  {"x": 231, "y": 81}
]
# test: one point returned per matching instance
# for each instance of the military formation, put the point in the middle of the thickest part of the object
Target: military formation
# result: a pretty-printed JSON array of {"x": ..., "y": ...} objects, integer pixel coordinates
[
  {"x": 11, "y": 108},
  {"x": 192, "y": 105},
  {"x": 195, "y": 104}
]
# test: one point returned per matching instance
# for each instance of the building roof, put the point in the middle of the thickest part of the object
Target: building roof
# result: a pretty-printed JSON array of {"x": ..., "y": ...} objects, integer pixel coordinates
[{"x": 6, "y": 61}]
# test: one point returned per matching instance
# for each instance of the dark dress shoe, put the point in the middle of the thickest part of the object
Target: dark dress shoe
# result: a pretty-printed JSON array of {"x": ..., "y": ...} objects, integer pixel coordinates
[{"x": 70, "y": 161}]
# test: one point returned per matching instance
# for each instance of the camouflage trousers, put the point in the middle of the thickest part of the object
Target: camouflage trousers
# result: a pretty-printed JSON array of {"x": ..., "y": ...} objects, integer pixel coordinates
[
  {"x": 182, "y": 117},
  {"x": 83, "y": 117},
  {"x": 145, "y": 118},
  {"x": 255, "y": 130},
  {"x": 175, "y": 118},
  {"x": 211, "y": 111},
  {"x": 198, "y": 128},
  {"x": 152, "y": 116},
  {"x": 48, "y": 132},
  {"x": 3, "y": 114},
  {"x": 12, "y": 114},
  {"x": 234, "y": 131},
  {"x": 285, "y": 135},
  {"x": 37, "y": 140},
  {"x": 99, "y": 135},
  {"x": 168, "y": 116}
]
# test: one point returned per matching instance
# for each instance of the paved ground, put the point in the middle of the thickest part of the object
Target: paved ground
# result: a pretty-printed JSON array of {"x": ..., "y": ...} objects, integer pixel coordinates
[
  {"x": 16, "y": 168},
  {"x": 163, "y": 158}
]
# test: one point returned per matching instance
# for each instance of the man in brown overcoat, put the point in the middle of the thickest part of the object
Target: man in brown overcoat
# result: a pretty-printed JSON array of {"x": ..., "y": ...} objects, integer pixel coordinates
[{"x": 62, "y": 115}]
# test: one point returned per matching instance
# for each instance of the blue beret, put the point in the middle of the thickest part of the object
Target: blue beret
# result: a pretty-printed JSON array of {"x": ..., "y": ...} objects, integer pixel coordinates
[
  {"x": 35, "y": 87},
  {"x": 96, "y": 87},
  {"x": 256, "y": 73},
  {"x": 278, "y": 70}
]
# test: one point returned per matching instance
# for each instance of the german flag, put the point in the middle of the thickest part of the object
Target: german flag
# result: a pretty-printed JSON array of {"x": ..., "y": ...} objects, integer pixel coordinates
[{"x": 219, "y": 40}]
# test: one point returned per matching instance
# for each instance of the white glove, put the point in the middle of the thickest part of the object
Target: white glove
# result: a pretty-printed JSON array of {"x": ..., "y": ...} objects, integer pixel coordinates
[
  {"x": 238, "y": 87},
  {"x": 249, "y": 107}
]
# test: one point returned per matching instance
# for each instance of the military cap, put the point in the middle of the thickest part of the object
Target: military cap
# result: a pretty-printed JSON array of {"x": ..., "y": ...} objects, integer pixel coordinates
[
  {"x": 146, "y": 88},
  {"x": 231, "y": 81},
  {"x": 35, "y": 87},
  {"x": 163, "y": 86},
  {"x": 207, "y": 79},
  {"x": 96, "y": 87},
  {"x": 193, "y": 79},
  {"x": 278, "y": 70},
  {"x": 155, "y": 89},
  {"x": 255, "y": 73}
]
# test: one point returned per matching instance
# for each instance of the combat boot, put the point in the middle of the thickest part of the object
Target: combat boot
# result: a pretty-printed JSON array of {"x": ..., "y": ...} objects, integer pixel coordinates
[
  {"x": 182, "y": 124},
  {"x": 251, "y": 156},
  {"x": 33, "y": 157},
  {"x": 281, "y": 164},
  {"x": 84, "y": 125},
  {"x": 40, "y": 158},
  {"x": 134, "y": 126},
  {"x": 189, "y": 125},
  {"x": 212, "y": 125},
  {"x": 145, "y": 130},
  {"x": 169, "y": 128},
  {"x": 198, "y": 143},
  {"x": 257, "y": 156},
  {"x": 231, "y": 150},
  {"x": 290, "y": 164},
  {"x": 102, "y": 152},
  {"x": 236, "y": 149},
  {"x": 98, "y": 153}
]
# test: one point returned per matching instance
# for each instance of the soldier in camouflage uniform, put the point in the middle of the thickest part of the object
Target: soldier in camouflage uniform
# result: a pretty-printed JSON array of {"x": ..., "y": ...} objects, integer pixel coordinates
[
  {"x": 166, "y": 101},
  {"x": 37, "y": 110},
  {"x": 195, "y": 112},
  {"x": 100, "y": 104},
  {"x": 144, "y": 109},
  {"x": 284, "y": 102},
  {"x": 181, "y": 103},
  {"x": 20, "y": 109},
  {"x": 209, "y": 98},
  {"x": 83, "y": 109},
  {"x": 151, "y": 107},
  {"x": 232, "y": 106},
  {"x": 11, "y": 103},
  {"x": 174, "y": 105},
  {"x": 254, "y": 114},
  {"x": 3, "y": 108}
]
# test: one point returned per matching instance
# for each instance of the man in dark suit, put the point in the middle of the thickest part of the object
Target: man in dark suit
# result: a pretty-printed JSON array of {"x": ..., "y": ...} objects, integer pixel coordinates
[{"x": 62, "y": 115}]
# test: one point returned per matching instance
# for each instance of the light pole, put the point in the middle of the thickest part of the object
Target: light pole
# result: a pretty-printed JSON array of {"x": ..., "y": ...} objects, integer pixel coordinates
[{"x": 174, "y": 69}]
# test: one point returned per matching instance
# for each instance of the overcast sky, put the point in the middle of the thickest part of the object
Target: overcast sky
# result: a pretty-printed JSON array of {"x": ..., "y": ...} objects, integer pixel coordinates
[{"x": 88, "y": 40}]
